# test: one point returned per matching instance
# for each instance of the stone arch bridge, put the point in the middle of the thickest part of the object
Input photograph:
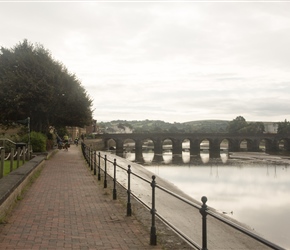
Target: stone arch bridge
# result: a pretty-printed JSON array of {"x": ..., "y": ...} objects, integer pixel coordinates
[{"x": 215, "y": 139}]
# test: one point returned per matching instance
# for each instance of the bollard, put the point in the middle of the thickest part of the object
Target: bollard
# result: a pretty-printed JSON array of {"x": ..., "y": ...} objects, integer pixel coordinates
[
  {"x": 203, "y": 212},
  {"x": 153, "y": 236},
  {"x": 114, "y": 180},
  {"x": 105, "y": 179},
  {"x": 129, "y": 210},
  {"x": 95, "y": 163},
  {"x": 99, "y": 166}
]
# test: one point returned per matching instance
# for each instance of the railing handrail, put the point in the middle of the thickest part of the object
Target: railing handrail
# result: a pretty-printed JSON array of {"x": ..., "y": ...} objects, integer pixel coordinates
[
  {"x": 5, "y": 139},
  {"x": 139, "y": 176},
  {"x": 174, "y": 228},
  {"x": 224, "y": 220},
  {"x": 208, "y": 211}
]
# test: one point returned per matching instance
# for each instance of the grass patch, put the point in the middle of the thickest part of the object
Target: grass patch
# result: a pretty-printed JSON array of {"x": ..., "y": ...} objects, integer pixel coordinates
[{"x": 6, "y": 170}]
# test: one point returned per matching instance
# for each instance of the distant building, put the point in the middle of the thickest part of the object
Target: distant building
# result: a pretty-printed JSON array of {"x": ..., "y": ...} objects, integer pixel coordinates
[
  {"x": 271, "y": 127},
  {"x": 93, "y": 128},
  {"x": 75, "y": 132}
]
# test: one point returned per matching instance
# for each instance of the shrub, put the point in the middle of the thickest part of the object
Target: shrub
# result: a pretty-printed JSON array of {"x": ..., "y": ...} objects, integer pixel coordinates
[{"x": 37, "y": 140}]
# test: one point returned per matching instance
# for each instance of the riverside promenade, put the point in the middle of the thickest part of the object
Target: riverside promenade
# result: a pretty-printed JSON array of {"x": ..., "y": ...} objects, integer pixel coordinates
[{"x": 67, "y": 208}]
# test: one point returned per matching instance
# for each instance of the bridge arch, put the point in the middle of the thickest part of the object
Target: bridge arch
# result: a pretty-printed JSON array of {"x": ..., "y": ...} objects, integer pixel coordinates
[
  {"x": 148, "y": 145},
  {"x": 224, "y": 144},
  {"x": 110, "y": 144},
  {"x": 215, "y": 139},
  {"x": 249, "y": 145},
  {"x": 185, "y": 144},
  {"x": 129, "y": 145},
  {"x": 204, "y": 144},
  {"x": 267, "y": 145},
  {"x": 284, "y": 144},
  {"x": 243, "y": 145},
  {"x": 167, "y": 144}
]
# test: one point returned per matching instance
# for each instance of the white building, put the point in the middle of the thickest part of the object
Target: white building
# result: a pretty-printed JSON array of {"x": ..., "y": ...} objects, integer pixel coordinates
[{"x": 271, "y": 127}]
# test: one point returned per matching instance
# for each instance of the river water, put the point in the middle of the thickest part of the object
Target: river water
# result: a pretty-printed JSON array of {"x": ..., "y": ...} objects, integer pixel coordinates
[{"x": 254, "y": 192}]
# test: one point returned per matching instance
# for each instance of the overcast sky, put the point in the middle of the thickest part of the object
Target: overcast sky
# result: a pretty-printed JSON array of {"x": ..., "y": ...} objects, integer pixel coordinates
[{"x": 172, "y": 61}]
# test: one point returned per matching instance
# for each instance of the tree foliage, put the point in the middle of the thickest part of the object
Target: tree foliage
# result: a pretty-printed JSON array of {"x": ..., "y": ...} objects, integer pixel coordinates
[
  {"x": 33, "y": 84},
  {"x": 283, "y": 127},
  {"x": 240, "y": 125},
  {"x": 37, "y": 140},
  {"x": 237, "y": 124}
]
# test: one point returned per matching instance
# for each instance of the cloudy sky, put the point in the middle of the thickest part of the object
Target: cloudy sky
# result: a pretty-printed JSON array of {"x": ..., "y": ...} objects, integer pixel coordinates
[{"x": 175, "y": 61}]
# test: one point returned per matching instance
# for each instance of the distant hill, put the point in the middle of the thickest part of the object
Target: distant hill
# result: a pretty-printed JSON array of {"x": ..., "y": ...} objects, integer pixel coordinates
[
  {"x": 208, "y": 125},
  {"x": 121, "y": 126}
]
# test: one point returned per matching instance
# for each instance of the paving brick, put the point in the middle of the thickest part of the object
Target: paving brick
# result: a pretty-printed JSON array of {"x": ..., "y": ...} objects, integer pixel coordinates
[{"x": 66, "y": 208}]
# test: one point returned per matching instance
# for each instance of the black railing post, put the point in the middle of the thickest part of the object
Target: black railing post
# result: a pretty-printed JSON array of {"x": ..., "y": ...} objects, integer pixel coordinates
[
  {"x": 86, "y": 153},
  {"x": 99, "y": 166},
  {"x": 84, "y": 150},
  {"x": 153, "y": 236},
  {"x": 89, "y": 157},
  {"x": 92, "y": 158},
  {"x": 129, "y": 210},
  {"x": 105, "y": 180},
  {"x": 203, "y": 211},
  {"x": 95, "y": 163},
  {"x": 114, "y": 189}
]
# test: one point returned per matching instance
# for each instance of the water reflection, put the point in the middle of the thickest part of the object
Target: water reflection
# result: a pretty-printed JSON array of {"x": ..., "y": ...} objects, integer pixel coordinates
[
  {"x": 148, "y": 157},
  {"x": 257, "y": 194}
]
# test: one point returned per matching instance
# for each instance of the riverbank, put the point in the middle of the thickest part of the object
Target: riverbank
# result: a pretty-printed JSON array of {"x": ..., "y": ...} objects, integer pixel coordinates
[{"x": 258, "y": 157}]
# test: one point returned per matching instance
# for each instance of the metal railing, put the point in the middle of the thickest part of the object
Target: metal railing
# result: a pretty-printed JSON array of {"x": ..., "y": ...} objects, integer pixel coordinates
[{"x": 94, "y": 161}]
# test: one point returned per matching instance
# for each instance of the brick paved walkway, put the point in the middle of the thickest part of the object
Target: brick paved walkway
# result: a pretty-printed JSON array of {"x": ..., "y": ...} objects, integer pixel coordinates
[{"x": 67, "y": 208}]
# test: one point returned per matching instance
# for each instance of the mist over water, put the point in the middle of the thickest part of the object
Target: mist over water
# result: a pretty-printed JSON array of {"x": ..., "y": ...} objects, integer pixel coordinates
[{"x": 254, "y": 193}]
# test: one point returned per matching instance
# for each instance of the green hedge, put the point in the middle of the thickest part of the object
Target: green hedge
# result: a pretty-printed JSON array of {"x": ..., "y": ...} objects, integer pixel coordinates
[{"x": 37, "y": 140}]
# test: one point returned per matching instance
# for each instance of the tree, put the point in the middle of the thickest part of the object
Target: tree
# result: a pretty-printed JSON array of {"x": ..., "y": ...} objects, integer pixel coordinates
[
  {"x": 33, "y": 84},
  {"x": 283, "y": 127},
  {"x": 173, "y": 129},
  {"x": 240, "y": 125},
  {"x": 237, "y": 124},
  {"x": 121, "y": 126},
  {"x": 253, "y": 128}
]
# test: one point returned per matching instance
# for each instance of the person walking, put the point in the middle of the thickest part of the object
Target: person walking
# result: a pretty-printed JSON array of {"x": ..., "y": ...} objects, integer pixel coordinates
[{"x": 65, "y": 139}]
